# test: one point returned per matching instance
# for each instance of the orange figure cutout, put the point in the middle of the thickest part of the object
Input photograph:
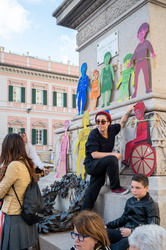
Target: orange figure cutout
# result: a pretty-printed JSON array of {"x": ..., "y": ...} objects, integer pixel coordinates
[
  {"x": 82, "y": 139},
  {"x": 95, "y": 91}
]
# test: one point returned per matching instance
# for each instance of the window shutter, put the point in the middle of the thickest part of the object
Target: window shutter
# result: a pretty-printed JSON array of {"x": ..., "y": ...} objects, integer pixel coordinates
[
  {"x": 44, "y": 97},
  {"x": 33, "y": 136},
  {"x": 22, "y": 130},
  {"x": 33, "y": 96},
  {"x": 44, "y": 137},
  {"x": 10, "y": 130},
  {"x": 23, "y": 94},
  {"x": 10, "y": 93},
  {"x": 65, "y": 100},
  {"x": 74, "y": 101},
  {"x": 54, "y": 98}
]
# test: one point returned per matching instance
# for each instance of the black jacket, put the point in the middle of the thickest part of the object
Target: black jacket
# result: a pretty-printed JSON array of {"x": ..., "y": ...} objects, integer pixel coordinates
[{"x": 137, "y": 213}]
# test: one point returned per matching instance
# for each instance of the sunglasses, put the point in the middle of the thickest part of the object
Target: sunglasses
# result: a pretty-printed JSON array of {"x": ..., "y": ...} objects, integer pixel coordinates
[{"x": 101, "y": 121}]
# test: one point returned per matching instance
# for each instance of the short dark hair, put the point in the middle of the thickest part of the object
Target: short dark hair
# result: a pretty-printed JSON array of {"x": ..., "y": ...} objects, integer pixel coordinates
[{"x": 142, "y": 178}]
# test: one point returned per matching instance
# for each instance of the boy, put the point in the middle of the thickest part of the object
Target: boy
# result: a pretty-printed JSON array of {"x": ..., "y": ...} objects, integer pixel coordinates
[{"x": 140, "y": 209}]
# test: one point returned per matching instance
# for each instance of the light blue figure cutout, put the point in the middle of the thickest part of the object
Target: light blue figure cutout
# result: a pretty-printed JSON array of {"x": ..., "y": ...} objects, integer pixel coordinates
[{"x": 82, "y": 88}]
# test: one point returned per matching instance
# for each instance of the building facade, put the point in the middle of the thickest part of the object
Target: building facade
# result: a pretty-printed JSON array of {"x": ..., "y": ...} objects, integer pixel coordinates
[{"x": 36, "y": 96}]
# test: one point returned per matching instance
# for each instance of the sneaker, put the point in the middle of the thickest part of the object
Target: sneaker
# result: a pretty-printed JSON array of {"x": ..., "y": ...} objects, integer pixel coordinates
[{"x": 120, "y": 191}]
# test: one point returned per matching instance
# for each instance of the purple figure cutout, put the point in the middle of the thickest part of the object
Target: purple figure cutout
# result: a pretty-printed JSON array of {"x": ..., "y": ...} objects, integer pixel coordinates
[
  {"x": 82, "y": 88},
  {"x": 140, "y": 58},
  {"x": 64, "y": 147}
]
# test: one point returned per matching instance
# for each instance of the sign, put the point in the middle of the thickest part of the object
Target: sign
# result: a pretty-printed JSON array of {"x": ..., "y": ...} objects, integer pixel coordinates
[{"x": 108, "y": 44}]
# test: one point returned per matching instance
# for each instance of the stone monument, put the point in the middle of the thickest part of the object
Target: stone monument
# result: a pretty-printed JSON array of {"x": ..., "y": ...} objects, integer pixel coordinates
[{"x": 107, "y": 25}]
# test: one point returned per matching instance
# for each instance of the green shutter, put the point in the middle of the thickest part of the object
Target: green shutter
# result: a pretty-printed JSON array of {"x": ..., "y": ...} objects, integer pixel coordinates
[
  {"x": 44, "y": 137},
  {"x": 54, "y": 98},
  {"x": 65, "y": 100},
  {"x": 22, "y": 130},
  {"x": 23, "y": 94},
  {"x": 74, "y": 101},
  {"x": 44, "y": 97},
  {"x": 33, "y": 136},
  {"x": 33, "y": 96},
  {"x": 10, "y": 93},
  {"x": 10, "y": 130}
]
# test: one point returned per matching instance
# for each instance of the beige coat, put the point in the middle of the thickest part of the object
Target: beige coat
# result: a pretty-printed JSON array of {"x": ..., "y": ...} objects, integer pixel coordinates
[{"x": 17, "y": 174}]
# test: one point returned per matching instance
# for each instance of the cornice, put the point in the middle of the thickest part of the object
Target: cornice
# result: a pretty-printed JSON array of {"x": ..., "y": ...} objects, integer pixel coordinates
[
  {"x": 72, "y": 13},
  {"x": 39, "y": 74}
]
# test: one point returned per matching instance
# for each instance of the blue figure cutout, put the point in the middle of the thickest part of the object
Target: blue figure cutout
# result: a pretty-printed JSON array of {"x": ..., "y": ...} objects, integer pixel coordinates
[{"x": 82, "y": 88}]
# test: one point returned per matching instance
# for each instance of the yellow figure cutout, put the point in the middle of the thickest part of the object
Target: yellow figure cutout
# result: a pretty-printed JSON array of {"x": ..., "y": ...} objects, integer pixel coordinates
[{"x": 82, "y": 139}]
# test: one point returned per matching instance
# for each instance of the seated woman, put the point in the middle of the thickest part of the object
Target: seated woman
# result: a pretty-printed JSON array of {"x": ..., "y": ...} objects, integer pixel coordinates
[{"x": 89, "y": 232}]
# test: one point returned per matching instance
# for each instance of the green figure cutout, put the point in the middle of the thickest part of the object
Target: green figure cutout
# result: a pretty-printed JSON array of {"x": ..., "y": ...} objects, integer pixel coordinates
[
  {"x": 125, "y": 78},
  {"x": 106, "y": 80}
]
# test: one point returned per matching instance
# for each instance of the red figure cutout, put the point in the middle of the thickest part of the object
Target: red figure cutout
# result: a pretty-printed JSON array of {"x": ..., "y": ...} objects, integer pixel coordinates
[{"x": 142, "y": 134}]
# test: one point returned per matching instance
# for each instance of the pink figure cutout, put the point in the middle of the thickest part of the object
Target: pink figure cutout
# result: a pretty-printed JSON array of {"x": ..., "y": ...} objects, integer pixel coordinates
[
  {"x": 142, "y": 133},
  {"x": 64, "y": 147},
  {"x": 140, "y": 58}
]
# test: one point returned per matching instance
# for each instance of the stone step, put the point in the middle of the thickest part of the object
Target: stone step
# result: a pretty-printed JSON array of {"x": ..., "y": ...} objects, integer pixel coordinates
[{"x": 56, "y": 241}]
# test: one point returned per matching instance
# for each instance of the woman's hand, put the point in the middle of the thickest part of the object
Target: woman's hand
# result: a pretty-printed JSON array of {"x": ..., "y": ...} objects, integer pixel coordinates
[{"x": 117, "y": 155}]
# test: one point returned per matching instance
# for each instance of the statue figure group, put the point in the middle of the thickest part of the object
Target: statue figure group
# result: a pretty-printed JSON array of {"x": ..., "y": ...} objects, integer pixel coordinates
[{"x": 102, "y": 84}]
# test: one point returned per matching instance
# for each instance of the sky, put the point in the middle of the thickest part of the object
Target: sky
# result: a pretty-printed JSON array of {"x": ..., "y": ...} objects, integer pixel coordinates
[{"x": 28, "y": 26}]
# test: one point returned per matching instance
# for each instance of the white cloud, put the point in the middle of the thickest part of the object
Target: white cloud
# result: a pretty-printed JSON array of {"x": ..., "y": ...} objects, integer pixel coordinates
[
  {"x": 13, "y": 18},
  {"x": 67, "y": 49}
]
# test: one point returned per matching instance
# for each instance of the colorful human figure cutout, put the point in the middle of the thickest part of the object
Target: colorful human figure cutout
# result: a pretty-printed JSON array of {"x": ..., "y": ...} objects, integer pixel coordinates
[
  {"x": 124, "y": 81},
  {"x": 64, "y": 147},
  {"x": 106, "y": 80},
  {"x": 82, "y": 88},
  {"x": 95, "y": 91},
  {"x": 80, "y": 144},
  {"x": 142, "y": 132},
  {"x": 139, "y": 58}
]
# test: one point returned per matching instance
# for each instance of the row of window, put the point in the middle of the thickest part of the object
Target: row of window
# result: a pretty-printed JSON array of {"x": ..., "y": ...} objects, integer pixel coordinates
[
  {"x": 39, "y": 136},
  {"x": 17, "y": 94}
]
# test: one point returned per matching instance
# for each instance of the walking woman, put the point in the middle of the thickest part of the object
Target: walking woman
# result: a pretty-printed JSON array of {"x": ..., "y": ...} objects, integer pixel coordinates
[{"x": 17, "y": 170}]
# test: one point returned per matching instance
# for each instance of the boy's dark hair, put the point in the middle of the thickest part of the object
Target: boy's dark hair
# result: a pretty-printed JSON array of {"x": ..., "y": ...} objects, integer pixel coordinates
[{"x": 142, "y": 179}]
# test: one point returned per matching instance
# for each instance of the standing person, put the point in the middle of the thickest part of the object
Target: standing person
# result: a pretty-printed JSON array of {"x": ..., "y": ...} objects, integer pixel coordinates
[
  {"x": 89, "y": 232},
  {"x": 31, "y": 152},
  {"x": 100, "y": 159},
  {"x": 17, "y": 170},
  {"x": 140, "y": 209}
]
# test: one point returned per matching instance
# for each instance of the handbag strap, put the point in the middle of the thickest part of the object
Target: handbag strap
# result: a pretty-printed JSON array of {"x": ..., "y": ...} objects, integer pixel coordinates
[
  {"x": 16, "y": 196},
  {"x": 13, "y": 185}
]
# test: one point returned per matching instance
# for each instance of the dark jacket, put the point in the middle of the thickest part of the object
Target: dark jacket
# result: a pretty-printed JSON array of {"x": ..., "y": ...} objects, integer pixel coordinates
[{"x": 137, "y": 213}]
